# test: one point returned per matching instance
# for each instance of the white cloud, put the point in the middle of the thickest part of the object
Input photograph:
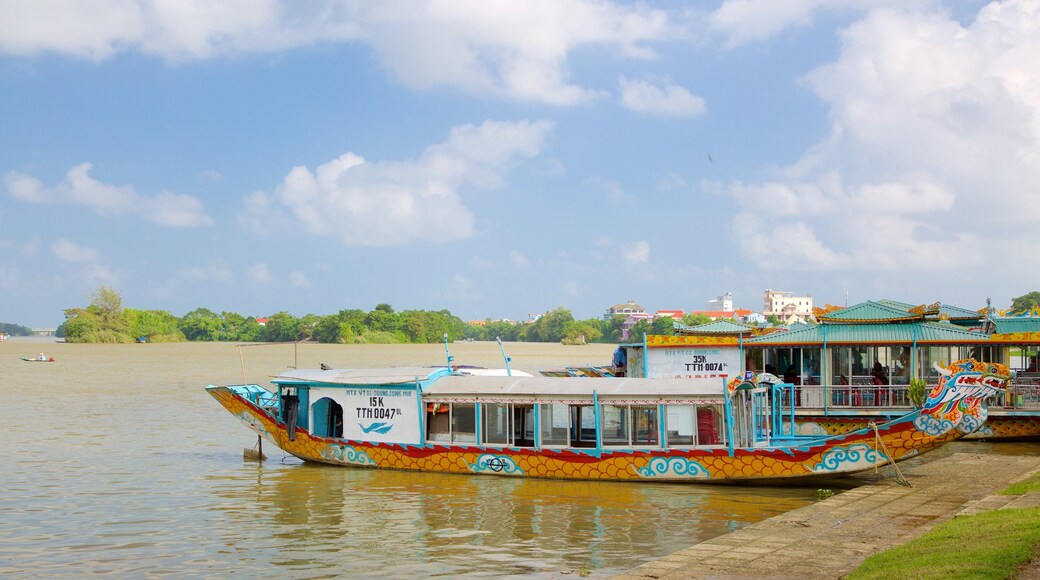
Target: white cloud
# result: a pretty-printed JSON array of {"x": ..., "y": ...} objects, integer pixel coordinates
[
  {"x": 31, "y": 249},
  {"x": 213, "y": 272},
  {"x": 80, "y": 189},
  {"x": 88, "y": 259},
  {"x": 669, "y": 100},
  {"x": 635, "y": 252},
  {"x": 175, "y": 210},
  {"x": 399, "y": 202},
  {"x": 933, "y": 156},
  {"x": 298, "y": 279},
  {"x": 211, "y": 176},
  {"x": 519, "y": 260},
  {"x": 746, "y": 21},
  {"x": 72, "y": 252},
  {"x": 259, "y": 273},
  {"x": 517, "y": 50}
]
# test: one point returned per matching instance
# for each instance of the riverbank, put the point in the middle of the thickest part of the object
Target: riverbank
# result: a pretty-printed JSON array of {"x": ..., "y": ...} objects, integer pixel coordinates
[{"x": 830, "y": 539}]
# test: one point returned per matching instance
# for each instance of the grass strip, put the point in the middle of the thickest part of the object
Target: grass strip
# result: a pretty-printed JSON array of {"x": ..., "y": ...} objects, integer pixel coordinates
[
  {"x": 988, "y": 545},
  {"x": 1031, "y": 483}
]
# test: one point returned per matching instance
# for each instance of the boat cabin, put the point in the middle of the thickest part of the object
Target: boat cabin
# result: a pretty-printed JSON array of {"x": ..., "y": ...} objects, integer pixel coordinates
[{"x": 424, "y": 406}]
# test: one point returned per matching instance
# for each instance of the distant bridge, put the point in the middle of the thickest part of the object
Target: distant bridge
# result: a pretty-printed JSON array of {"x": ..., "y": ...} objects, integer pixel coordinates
[{"x": 44, "y": 331}]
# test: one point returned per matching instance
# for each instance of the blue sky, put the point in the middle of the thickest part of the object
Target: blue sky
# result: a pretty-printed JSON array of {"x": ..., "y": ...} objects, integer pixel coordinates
[{"x": 504, "y": 158}]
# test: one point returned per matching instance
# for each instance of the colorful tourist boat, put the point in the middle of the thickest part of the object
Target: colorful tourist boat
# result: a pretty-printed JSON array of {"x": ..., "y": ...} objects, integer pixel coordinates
[
  {"x": 856, "y": 365},
  {"x": 627, "y": 429}
]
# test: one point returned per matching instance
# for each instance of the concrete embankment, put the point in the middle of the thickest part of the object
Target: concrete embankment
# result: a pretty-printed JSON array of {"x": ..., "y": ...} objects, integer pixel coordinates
[{"x": 831, "y": 538}]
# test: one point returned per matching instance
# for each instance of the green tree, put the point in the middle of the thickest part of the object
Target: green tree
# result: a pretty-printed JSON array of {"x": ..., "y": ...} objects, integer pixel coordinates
[
  {"x": 580, "y": 332},
  {"x": 612, "y": 328},
  {"x": 155, "y": 325},
  {"x": 1026, "y": 301},
  {"x": 663, "y": 325},
  {"x": 281, "y": 327},
  {"x": 14, "y": 329},
  {"x": 693, "y": 319},
  {"x": 549, "y": 328},
  {"x": 635, "y": 334},
  {"x": 102, "y": 321},
  {"x": 201, "y": 324},
  {"x": 382, "y": 319},
  {"x": 235, "y": 327},
  {"x": 307, "y": 326}
]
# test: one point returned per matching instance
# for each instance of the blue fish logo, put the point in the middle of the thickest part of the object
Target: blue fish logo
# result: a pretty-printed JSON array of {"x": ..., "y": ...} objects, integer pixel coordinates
[{"x": 380, "y": 428}]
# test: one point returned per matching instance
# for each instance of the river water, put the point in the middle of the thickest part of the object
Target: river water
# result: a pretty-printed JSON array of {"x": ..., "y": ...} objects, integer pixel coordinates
[{"x": 116, "y": 461}]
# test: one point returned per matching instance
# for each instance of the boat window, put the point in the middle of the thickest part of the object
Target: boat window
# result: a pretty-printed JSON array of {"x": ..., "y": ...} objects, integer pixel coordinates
[
  {"x": 711, "y": 427},
  {"x": 508, "y": 424},
  {"x": 463, "y": 423},
  {"x": 644, "y": 425},
  {"x": 680, "y": 425},
  {"x": 523, "y": 425},
  {"x": 328, "y": 418},
  {"x": 554, "y": 420},
  {"x": 583, "y": 426},
  {"x": 931, "y": 355},
  {"x": 616, "y": 423},
  {"x": 497, "y": 420},
  {"x": 438, "y": 422}
]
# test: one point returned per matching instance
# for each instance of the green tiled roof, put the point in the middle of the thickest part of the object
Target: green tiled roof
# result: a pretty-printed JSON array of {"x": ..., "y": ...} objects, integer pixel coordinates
[
  {"x": 1009, "y": 324},
  {"x": 717, "y": 327},
  {"x": 896, "y": 304},
  {"x": 868, "y": 311},
  {"x": 924, "y": 332}
]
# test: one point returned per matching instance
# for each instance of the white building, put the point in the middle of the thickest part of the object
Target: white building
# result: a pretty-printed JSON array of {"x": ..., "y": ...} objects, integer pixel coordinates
[
  {"x": 723, "y": 303},
  {"x": 626, "y": 309},
  {"x": 786, "y": 306}
]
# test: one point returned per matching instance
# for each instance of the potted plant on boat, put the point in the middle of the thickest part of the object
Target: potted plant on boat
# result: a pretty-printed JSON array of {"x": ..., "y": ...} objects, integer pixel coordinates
[{"x": 916, "y": 392}]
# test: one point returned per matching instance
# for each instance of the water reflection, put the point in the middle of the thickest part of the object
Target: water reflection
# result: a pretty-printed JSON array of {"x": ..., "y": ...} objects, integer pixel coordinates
[{"x": 365, "y": 522}]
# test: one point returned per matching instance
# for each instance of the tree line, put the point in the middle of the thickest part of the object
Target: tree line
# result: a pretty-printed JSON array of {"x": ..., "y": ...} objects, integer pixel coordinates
[
  {"x": 105, "y": 320},
  {"x": 14, "y": 329}
]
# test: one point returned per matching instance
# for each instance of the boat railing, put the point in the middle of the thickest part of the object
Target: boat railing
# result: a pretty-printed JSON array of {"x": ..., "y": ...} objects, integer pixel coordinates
[
  {"x": 256, "y": 395},
  {"x": 1020, "y": 395}
]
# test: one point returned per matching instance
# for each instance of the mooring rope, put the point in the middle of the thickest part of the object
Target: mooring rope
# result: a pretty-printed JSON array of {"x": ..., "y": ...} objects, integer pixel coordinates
[{"x": 878, "y": 442}]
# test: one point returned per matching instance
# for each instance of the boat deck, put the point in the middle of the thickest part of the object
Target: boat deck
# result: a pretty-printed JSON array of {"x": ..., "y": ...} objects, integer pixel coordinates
[{"x": 831, "y": 538}]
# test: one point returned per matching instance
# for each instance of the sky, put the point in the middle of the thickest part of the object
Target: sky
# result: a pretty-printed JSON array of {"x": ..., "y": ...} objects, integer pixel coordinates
[{"x": 503, "y": 158}]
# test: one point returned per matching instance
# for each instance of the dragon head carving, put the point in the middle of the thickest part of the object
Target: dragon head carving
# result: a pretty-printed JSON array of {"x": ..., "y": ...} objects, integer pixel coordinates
[{"x": 960, "y": 397}]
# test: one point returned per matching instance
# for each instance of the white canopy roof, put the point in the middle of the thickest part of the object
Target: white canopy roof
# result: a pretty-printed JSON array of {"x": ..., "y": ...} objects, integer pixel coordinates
[
  {"x": 483, "y": 384},
  {"x": 375, "y": 376},
  {"x": 572, "y": 386}
]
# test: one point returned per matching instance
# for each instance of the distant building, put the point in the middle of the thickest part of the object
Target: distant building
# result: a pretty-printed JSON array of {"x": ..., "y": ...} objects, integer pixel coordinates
[
  {"x": 631, "y": 321},
  {"x": 755, "y": 318},
  {"x": 722, "y": 303},
  {"x": 675, "y": 314},
  {"x": 731, "y": 314},
  {"x": 786, "y": 306},
  {"x": 627, "y": 309}
]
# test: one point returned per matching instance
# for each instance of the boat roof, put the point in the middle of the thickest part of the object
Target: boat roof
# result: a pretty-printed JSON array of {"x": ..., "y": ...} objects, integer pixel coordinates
[
  {"x": 574, "y": 386},
  {"x": 368, "y": 376},
  {"x": 908, "y": 333}
]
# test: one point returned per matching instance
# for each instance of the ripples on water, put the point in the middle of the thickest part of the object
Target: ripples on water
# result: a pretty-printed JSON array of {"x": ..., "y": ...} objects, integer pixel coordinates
[{"x": 116, "y": 461}]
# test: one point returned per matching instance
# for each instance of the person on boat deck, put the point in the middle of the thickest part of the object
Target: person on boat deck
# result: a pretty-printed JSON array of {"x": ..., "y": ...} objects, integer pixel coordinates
[
  {"x": 879, "y": 374},
  {"x": 41, "y": 357},
  {"x": 791, "y": 376}
]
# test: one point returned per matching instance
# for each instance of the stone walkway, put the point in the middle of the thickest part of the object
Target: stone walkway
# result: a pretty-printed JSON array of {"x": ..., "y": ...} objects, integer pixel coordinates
[{"x": 831, "y": 538}]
